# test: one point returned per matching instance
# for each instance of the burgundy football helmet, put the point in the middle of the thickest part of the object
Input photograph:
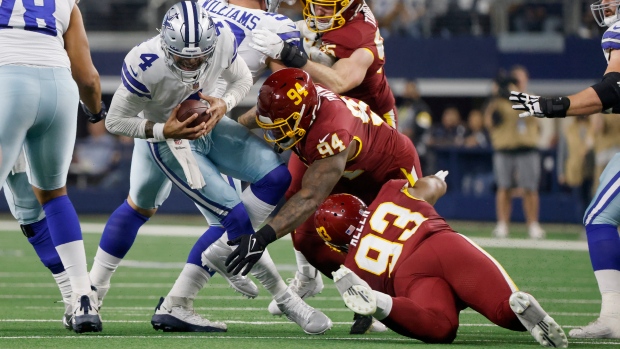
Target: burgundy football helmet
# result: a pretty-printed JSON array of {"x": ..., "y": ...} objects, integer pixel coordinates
[
  {"x": 286, "y": 106},
  {"x": 337, "y": 219},
  {"x": 342, "y": 11}
]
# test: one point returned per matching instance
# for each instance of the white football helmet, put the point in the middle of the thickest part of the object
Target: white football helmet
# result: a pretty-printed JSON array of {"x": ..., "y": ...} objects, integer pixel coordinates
[
  {"x": 612, "y": 7},
  {"x": 188, "y": 38}
]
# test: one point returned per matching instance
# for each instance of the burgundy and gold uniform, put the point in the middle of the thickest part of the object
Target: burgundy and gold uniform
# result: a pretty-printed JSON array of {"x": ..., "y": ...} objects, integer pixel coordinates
[
  {"x": 362, "y": 31},
  {"x": 405, "y": 249},
  {"x": 382, "y": 154}
]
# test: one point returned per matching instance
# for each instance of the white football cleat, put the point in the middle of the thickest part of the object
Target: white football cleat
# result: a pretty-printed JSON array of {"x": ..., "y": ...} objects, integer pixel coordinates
[
  {"x": 542, "y": 326},
  {"x": 312, "y": 321},
  {"x": 176, "y": 314},
  {"x": 214, "y": 257},
  {"x": 355, "y": 292},
  {"x": 303, "y": 286},
  {"x": 67, "y": 318},
  {"x": 102, "y": 291},
  {"x": 603, "y": 327},
  {"x": 86, "y": 313},
  {"x": 377, "y": 326}
]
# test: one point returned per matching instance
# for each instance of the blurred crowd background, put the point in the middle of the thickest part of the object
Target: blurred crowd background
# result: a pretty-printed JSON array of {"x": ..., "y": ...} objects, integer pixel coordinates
[{"x": 456, "y": 123}]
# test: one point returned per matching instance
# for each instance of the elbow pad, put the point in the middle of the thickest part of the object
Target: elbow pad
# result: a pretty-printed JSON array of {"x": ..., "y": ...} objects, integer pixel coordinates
[
  {"x": 608, "y": 90},
  {"x": 292, "y": 56}
]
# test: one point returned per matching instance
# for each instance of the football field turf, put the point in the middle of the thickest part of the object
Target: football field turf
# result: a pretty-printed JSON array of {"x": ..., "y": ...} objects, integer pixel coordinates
[{"x": 557, "y": 272}]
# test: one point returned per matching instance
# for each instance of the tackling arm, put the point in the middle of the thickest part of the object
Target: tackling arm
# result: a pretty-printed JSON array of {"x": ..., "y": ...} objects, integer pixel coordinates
[
  {"x": 345, "y": 74},
  {"x": 429, "y": 189},
  {"x": 317, "y": 183},
  {"x": 84, "y": 72}
]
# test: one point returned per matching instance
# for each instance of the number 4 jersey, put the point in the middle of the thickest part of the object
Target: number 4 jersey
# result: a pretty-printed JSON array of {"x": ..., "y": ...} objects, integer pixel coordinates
[
  {"x": 394, "y": 226},
  {"x": 32, "y": 33}
]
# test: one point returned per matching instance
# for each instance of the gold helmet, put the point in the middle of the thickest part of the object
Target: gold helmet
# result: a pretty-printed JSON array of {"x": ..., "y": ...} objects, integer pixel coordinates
[{"x": 341, "y": 11}]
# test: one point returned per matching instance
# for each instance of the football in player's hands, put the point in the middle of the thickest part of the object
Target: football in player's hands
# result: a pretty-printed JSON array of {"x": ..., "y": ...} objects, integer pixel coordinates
[{"x": 191, "y": 107}]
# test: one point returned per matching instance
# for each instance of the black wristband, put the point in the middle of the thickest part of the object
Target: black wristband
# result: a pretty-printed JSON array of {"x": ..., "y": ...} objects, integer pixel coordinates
[
  {"x": 95, "y": 118},
  {"x": 267, "y": 233},
  {"x": 555, "y": 107},
  {"x": 292, "y": 56}
]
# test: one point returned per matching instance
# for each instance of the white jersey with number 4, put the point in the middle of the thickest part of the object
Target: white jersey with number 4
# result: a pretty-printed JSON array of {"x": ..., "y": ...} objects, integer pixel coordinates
[
  {"x": 26, "y": 28},
  {"x": 152, "y": 90},
  {"x": 242, "y": 21}
]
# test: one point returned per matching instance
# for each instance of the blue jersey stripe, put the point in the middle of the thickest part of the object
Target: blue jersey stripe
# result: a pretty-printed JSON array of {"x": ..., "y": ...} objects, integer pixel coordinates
[
  {"x": 595, "y": 210},
  {"x": 611, "y": 44},
  {"x": 196, "y": 23},
  {"x": 217, "y": 209},
  {"x": 289, "y": 36},
  {"x": 132, "y": 89},
  {"x": 137, "y": 84},
  {"x": 185, "y": 20}
]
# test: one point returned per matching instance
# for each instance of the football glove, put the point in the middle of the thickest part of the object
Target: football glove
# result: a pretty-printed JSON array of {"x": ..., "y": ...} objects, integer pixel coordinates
[
  {"x": 95, "y": 118},
  {"x": 442, "y": 175},
  {"x": 270, "y": 44},
  {"x": 540, "y": 107},
  {"x": 249, "y": 251}
]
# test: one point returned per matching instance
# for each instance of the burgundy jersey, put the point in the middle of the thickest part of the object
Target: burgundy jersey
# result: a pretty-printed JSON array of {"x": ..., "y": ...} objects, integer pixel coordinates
[
  {"x": 394, "y": 227},
  {"x": 381, "y": 150},
  {"x": 363, "y": 32}
]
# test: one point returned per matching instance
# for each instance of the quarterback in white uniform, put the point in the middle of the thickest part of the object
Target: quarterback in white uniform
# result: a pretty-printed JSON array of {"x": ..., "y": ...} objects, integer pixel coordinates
[
  {"x": 39, "y": 85},
  {"x": 184, "y": 62}
]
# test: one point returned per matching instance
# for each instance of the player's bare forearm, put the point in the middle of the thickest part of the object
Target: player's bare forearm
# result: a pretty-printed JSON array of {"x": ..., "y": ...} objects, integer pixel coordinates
[
  {"x": 345, "y": 74},
  {"x": 248, "y": 119},
  {"x": 585, "y": 102},
  {"x": 82, "y": 69},
  {"x": 318, "y": 182}
]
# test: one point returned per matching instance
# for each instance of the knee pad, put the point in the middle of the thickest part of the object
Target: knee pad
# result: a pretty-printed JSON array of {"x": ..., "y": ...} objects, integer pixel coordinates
[{"x": 273, "y": 185}]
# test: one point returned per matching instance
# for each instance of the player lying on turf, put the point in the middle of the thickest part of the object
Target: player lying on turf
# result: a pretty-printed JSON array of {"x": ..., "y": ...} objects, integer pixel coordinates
[{"x": 406, "y": 267}]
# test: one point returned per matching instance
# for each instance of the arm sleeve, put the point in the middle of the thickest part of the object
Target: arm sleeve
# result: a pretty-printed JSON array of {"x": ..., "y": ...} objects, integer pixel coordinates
[
  {"x": 123, "y": 117},
  {"x": 239, "y": 79}
]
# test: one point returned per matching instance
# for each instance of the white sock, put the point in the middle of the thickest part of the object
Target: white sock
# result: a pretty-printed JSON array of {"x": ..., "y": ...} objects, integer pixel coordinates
[
  {"x": 610, "y": 307},
  {"x": 191, "y": 280},
  {"x": 304, "y": 267},
  {"x": 103, "y": 267},
  {"x": 266, "y": 273},
  {"x": 73, "y": 258},
  {"x": 384, "y": 305},
  {"x": 64, "y": 285},
  {"x": 257, "y": 209},
  {"x": 608, "y": 280}
]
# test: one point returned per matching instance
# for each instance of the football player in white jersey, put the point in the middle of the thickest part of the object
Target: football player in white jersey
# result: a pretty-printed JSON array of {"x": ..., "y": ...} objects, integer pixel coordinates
[
  {"x": 184, "y": 62},
  {"x": 244, "y": 16},
  {"x": 39, "y": 85},
  {"x": 602, "y": 216}
]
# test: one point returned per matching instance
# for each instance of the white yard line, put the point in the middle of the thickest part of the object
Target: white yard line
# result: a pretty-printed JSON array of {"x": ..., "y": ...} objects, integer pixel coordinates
[{"x": 195, "y": 231}]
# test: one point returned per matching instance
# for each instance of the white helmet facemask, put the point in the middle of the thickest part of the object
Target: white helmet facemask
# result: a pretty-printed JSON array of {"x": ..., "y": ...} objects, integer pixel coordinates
[
  {"x": 188, "y": 39},
  {"x": 598, "y": 11}
]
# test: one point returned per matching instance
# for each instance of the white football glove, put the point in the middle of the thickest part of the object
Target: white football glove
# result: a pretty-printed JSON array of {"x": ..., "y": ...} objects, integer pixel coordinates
[
  {"x": 442, "y": 175},
  {"x": 527, "y": 103},
  {"x": 267, "y": 42}
]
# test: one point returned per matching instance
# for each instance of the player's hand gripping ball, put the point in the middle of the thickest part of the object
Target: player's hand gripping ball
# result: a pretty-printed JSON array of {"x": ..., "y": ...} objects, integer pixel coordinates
[{"x": 191, "y": 107}]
